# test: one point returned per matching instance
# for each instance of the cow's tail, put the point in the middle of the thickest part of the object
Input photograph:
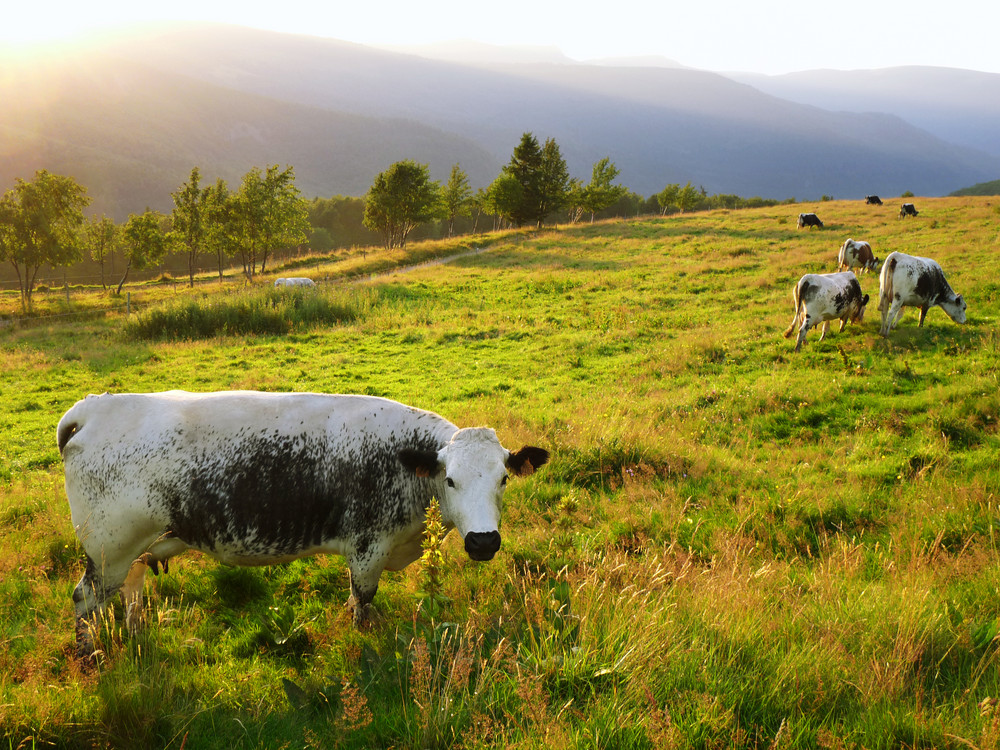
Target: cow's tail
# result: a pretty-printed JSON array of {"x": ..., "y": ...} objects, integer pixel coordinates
[
  {"x": 70, "y": 424},
  {"x": 885, "y": 284},
  {"x": 796, "y": 299}
]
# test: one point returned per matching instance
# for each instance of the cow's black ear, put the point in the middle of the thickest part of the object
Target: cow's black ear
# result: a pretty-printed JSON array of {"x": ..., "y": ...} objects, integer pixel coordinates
[
  {"x": 526, "y": 460},
  {"x": 421, "y": 463}
]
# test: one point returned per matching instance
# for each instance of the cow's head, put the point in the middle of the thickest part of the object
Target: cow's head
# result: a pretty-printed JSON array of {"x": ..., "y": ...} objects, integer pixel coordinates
[
  {"x": 955, "y": 309},
  {"x": 472, "y": 470},
  {"x": 859, "y": 315}
]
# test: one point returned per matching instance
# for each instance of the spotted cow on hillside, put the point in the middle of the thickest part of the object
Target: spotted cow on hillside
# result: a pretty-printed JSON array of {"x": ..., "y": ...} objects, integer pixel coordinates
[
  {"x": 856, "y": 254},
  {"x": 820, "y": 298},
  {"x": 909, "y": 280},
  {"x": 260, "y": 478},
  {"x": 809, "y": 220}
]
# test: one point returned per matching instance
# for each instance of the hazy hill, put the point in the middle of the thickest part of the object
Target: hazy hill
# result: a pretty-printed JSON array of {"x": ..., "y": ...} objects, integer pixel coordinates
[
  {"x": 130, "y": 120},
  {"x": 960, "y": 106},
  {"x": 131, "y": 135}
]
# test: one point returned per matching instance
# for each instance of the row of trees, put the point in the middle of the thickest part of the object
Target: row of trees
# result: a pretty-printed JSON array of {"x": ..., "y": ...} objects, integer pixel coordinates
[
  {"x": 533, "y": 186},
  {"x": 42, "y": 224},
  {"x": 42, "y": 220}
]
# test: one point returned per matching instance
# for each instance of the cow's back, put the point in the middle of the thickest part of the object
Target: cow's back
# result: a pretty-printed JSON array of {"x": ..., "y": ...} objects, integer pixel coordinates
[{"x": 245, "y": 475}]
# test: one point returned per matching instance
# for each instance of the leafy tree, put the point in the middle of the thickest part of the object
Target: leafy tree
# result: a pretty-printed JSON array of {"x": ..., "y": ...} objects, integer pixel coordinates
[
  {"x": 600, "y": 193},
  {"x": 457, "y": 197},
  {"x": 144, "y": 242},
  {"x": 503, "y": 199},
  {"x": 401, "y": 198},
  {"x": 668, "y": 197},
  {"x": 102, "y": 237},
  {"x": 269, "y": 213},
  {"x": 477, "y": 204},
  {"x": 39, "y": 225},
  {"x": 688, "y": 198},
  {"x": 189, "y": 219},
  {"x": 220, "y": 222}
]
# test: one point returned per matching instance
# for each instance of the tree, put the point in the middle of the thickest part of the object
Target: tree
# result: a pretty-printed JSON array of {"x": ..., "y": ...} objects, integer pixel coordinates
[
  {"x": 143, "y": 241},
  {"x": 503, "y": 198},
  {"x": 688, "y": 198},
  {"x": 401, "y": 198},
  {"x": 102, "y": 237},
  {"x": 600, "y": 193},
  {"x": 668, "y": 197},
  {"x": 269, "y": 213},
  {"x": 189, "y": 219},
  {"x": 39, "y": 225},
  {"x": 543, "y": 176},
  {"x": 221, "y": 230},
  {"x": 554, "y": 183},
  {"x": 457, "y": 197}
]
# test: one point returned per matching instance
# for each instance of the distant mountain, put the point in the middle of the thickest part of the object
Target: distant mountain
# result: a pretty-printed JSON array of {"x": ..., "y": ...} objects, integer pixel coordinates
[
  {"x": 130, "y": 134},
  {"x": 131, "y": 119},
  {"x": 960, "y": 106},
  {"x": 982, "y": 188}
]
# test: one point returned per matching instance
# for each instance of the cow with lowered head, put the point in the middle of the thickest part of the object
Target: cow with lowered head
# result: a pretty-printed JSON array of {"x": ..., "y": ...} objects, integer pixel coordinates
[
  {"x": 822, "y": 297},
  {"x": 856, "y": 254},
  {"x": 261, "y": 478},
  {"x": 809, "y": 220},
  {"x": 909, "y": 280}
]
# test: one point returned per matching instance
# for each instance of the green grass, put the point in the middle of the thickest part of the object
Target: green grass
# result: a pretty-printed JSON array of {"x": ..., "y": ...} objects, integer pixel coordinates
[{"x": 733, "y": 546}]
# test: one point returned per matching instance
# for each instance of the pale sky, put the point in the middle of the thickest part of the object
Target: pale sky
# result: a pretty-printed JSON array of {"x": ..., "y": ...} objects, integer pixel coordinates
[{"x": 763, "y": 36}]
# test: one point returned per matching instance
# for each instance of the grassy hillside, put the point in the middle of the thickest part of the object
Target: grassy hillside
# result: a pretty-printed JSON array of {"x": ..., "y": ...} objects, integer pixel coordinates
[{"x": 733, "y": 545}]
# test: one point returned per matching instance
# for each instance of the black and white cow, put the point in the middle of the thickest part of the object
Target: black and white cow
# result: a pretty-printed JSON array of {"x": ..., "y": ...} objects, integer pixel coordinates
[
  {"x": 873, "y": 200},
  {"x": 294, "y": 281},
  {"x": 907, "y": 209},
  {"x": 259, "y": 478},
  {"x": 856, "y": 254},
  {"x": 908, "y": 280},
  {"x": 820, "y": 298},
  {"x": 809, "y": 220}
]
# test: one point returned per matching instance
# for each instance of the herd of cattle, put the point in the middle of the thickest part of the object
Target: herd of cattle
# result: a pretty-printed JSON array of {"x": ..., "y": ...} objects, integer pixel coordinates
[
  {"x": 260, "y": 478},
  {"x": 904, "y": 281}
]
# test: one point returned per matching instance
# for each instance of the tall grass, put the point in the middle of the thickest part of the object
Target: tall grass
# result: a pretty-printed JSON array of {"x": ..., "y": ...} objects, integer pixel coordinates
[{"x": 253, "y": 312}]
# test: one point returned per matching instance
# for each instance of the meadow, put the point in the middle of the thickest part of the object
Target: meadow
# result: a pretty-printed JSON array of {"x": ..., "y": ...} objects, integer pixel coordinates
[{"x": 733, "y": 546}]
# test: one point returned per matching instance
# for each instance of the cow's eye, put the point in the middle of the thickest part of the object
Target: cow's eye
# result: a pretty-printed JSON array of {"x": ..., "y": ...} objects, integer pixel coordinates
[
  {"x": 503, "y": 482},
  {"x": 450, "y": 481}
]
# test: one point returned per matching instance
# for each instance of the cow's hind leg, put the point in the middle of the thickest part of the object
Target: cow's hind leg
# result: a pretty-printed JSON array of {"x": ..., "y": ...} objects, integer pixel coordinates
[{"x": 923, "y": 312}]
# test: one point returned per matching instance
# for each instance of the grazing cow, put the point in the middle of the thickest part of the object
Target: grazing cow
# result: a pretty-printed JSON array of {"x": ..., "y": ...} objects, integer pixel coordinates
[
  {"x": 260, "y": 478},
  {"x": 856, "y": 254},
  {"x": 907, "y": 209},
  {"x": 809, "y": 220},
  {"x": 873, "y": 200},
  {"x": 917, "y": 282},
  {"x": 295, "y": 281},
  {"x": 820, "y": 298}
]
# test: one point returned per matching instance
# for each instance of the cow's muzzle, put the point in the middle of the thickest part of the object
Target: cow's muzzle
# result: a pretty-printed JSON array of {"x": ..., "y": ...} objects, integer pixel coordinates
[{"x": 482, "y": 545}]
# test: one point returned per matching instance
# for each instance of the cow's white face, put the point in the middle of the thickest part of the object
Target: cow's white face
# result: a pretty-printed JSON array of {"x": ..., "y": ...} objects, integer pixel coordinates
[
  {"x": 955, "y": 309},
  {"x": 473, "y": 469}
]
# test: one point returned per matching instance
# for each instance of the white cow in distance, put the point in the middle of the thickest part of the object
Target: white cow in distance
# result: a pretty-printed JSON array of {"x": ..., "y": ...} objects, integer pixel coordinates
[{"x": 294, "y": 281}]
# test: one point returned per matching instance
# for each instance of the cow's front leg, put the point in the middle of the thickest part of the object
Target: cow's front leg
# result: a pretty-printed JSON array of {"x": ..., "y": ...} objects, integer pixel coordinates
[
  {"x": 365, "y": 572},
  {"x": 923, "y": 311},
  {"x": 843, "y": 324},
  {"x": 89, "y": 599},
  {"x": 825, "y": 330}
]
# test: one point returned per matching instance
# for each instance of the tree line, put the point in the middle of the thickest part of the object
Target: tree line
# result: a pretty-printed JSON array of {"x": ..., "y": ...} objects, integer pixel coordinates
[{"x": 42, "y": 221}]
